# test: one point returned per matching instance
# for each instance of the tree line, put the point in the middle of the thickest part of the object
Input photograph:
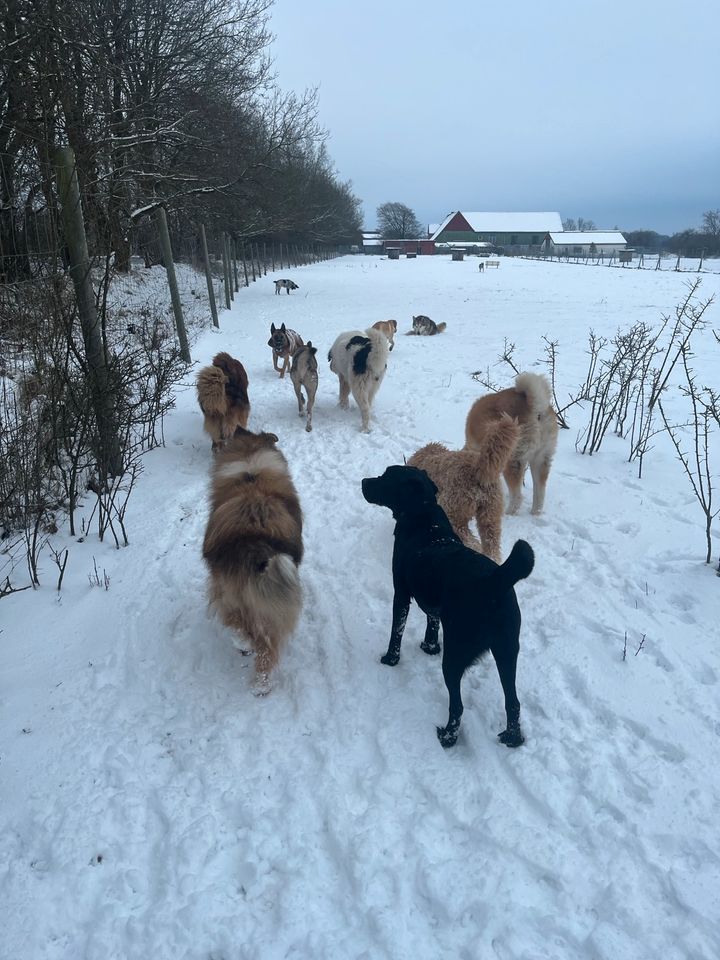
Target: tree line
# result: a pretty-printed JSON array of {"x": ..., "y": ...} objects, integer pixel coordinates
[{"x": 164, "y": 102}]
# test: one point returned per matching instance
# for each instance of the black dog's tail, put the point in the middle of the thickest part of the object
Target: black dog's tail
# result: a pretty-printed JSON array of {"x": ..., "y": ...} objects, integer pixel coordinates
[{"x": 517, "y": 566}]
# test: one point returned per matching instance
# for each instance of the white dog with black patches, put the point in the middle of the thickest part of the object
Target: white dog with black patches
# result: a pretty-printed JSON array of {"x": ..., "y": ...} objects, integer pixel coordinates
[{"x": 359, "y": 358}]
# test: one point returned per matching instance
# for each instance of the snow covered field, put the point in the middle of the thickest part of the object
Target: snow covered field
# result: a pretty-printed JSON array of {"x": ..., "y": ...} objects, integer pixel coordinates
[{"x": 151, "y": 807}]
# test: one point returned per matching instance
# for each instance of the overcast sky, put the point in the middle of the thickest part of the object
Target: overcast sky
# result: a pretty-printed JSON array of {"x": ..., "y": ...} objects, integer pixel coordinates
[{"x": 607, "y": 110}]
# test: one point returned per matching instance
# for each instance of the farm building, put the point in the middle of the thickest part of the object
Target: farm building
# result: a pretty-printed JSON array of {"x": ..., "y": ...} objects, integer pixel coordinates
[
  {"x": 372, "y": 242},
  {"x": 419, "y": 247},
  {"x": 511, "y": 232},
  {"x": 587, "y": 243}
]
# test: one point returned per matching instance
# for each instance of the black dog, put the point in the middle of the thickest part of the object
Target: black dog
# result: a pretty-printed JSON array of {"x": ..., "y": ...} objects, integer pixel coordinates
[{"x": 469, "y": 594}]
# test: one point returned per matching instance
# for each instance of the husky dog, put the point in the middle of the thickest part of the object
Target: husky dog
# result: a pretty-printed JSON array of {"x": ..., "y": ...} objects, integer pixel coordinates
[
  {"x": 284, "y": 342},
  {"x": 389, "y": 328},
  {"x": 359, "y": 358},
  {"x": 528, "y": 402},
  {"x": 223, "y": 398},
  {"x": 253, "y": 547},
  {"x": 425, "y": 327},
  {"x": 285, "y": 285},
  {"x": 304, "y": 373},
  {"x": 469, "y": 485},
  {"x": 470, "y": 595},
  {"x": 481, "y": 267}
]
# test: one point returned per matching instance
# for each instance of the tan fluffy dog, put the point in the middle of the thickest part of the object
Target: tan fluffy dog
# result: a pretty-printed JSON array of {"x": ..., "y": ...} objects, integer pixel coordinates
[
  {"x": 253, "y": 546},
  {"x": 529, "y": 402},
  {"x": 389, "y": 328},
  {"x": 223, "y": 398},
  {"x": 468, "y": 483}
]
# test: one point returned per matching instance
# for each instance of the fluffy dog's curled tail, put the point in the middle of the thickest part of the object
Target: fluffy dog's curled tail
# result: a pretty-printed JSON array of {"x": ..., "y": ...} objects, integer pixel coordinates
[
  {"x": 441, "y": 326},
  {"x": 518, "y": 565},
  {"x": 536, "y": 388},
  {"x": 497, "y": 445},
  {"x": 211, "y": 391}
]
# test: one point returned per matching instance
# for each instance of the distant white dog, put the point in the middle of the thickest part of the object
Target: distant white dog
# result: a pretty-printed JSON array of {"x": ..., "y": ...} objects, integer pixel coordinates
[{"x": 359, "y": 358}]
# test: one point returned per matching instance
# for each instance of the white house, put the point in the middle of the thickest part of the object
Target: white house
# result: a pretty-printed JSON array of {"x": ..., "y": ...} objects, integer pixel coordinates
[{"x": 584, "y": 243}]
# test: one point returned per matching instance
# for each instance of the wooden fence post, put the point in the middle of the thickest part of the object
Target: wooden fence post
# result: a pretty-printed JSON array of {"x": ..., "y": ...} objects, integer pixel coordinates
[
  {"x": 234, "y": 263},
  {"x": 208, "y": 277},
  {"x": 169, "y": 264},
  {"x": 244, "y": 262},
  {"x": 226, "y": 270},
  {"x": 110, "y": 455}
]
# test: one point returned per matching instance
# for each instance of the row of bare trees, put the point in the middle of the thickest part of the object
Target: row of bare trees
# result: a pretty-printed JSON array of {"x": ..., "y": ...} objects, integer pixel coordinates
[{"x": 164, "y": 102}]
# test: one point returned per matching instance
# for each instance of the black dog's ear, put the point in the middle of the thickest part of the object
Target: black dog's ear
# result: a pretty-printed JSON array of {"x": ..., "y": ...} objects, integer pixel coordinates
[
  {"x": 272, "y": 328},
  {"x": 272, "y": 437},
  {"x": 309, "y": 345},
  {"x": 283, "y": 328}
]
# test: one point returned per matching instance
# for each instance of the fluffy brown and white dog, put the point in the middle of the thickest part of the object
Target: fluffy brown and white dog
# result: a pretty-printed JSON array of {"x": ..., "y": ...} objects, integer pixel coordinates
[
  {"x": 304, "y": 373},
  {"x": 223, "y": 398},
  {"x": 425, "y": 327},
  {"x": 359, "y": 358},
  {"x": 285, "y": 343},
  {"x": 529, "y": 401},
  {"x": 468, "y": 483},
  {"x": 253, "y": 547},
  {"x": 389, "y": 328},
  {"x": 287, "y": 285}
]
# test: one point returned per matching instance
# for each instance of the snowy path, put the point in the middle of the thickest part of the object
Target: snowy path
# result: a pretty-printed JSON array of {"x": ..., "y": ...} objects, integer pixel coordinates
[{"x": 151, "y": 807}]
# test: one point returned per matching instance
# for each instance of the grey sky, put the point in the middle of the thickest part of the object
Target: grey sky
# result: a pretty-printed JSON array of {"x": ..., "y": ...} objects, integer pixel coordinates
[{"x": 607, "y": 110}]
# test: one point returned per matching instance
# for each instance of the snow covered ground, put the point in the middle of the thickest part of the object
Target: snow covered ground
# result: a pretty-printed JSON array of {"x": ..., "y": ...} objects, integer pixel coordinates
[{"x": 152, "y": 807}]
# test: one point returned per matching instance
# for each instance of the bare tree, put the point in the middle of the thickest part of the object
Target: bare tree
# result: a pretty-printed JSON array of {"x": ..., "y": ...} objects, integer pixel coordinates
[
  {"x": 711, "y": 223},
  {"x": 397, "y": 221}
]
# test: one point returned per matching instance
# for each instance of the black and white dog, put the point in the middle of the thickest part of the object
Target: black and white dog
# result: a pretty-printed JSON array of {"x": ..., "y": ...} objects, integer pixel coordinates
[
  {"x": 285, "y": 285},
  {"x": 469, "y": 594},
  {"x": 359, "y": 358}
]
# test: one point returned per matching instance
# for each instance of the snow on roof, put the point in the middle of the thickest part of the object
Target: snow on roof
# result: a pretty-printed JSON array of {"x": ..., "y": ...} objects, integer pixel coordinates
[
  {"x": 506, "y": 222},
  {"x": 587, "y": 236},
  {"x": 372, "y": 242}
]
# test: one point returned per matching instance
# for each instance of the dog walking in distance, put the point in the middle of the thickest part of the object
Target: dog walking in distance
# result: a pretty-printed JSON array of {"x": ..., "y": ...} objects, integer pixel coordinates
[
  {"x": 481, "y": 267},
  {"x": 222, "y": 391},
  {"x": 389, "y": 328},
  {"x": 285, "y": 343},
  {"x": 469, "y": 486},
  {"x": 304, "y": 373},
  {"x": 425, "y": 327},
  {"x": 529, "y": 402},
  {"x": 359, "y": 358},
  {"x": 287, "y": 285},
  {"x": 253, "y": 547},
  {"x": 468, "y": 594}
]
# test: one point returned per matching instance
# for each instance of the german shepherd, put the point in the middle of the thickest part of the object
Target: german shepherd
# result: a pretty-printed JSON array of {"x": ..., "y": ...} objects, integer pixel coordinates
[
  {"x": 425, "y": 327},
  {"x": 253, "y": 547},
  {"x": 470, "y": 595},
  {"x": 285, "y": 285},
  {"x": 284, "y": 343},
  {"x": 304, "y": 373},
  {"x": 223, "y": 398},
  {"x": 359, "y": 358},
  {"x": 389, "y": 328},
  {"x": 528, "y": 402}
]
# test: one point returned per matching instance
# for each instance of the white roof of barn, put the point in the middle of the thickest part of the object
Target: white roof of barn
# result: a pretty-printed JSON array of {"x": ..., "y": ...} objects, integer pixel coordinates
[
  {"x": 506, "y": 222},
  {"x": 587, "y": 236},
  {"x": 372, "y": 241}
]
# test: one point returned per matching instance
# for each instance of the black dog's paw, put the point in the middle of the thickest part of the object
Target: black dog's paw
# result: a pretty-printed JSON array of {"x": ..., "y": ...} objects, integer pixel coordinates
[
  {"x": 511, "y": 738},
  {"x": 390, "y": 659},
  {"x": 431, "y": 648},
  {"x": 446, "y": 736}
]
